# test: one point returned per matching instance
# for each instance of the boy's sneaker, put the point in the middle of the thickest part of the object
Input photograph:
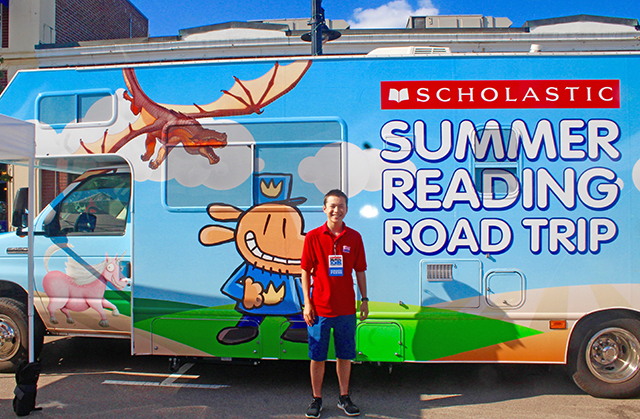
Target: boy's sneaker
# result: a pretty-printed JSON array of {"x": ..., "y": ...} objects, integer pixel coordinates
[
  {"x": 347, "y": 405},
  {"x": 314, "y": 408}
]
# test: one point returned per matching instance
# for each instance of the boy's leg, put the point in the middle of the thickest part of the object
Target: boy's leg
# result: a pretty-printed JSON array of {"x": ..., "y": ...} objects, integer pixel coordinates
[
  {"x": 319, "y": 335},
  {"x": 317, "y": 376},
  {"x": 343, "y": 369},
  {"x": 344, "y": 336}
]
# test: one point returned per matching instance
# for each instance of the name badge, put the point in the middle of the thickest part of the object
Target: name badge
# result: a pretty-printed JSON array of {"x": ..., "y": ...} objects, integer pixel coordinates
[{"x": 335, "y": 265}]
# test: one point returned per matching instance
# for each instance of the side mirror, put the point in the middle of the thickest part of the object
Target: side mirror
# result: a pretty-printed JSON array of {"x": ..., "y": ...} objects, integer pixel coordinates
[
  {"x": 51, "y": 225},
  {"x": 20, "y": 208},
  {"x": 19, "y": 217}
]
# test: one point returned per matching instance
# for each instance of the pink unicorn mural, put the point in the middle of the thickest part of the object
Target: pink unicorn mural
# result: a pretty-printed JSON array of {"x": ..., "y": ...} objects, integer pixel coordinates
[{"x": 82, "y": 287}]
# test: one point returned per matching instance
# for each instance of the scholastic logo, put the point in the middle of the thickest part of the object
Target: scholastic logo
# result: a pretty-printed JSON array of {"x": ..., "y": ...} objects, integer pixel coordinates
[{"x": 499, "y": 94}]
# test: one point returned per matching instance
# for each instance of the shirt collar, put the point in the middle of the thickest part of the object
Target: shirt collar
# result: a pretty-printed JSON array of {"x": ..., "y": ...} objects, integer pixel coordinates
[{"x": 325, "y": 229}]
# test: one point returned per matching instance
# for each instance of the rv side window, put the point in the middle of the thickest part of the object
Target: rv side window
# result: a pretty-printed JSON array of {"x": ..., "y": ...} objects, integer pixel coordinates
[
  {"x": 99, "y": 206},
  {"x": 63, "y": 109},
  {"x": 275, "y": 161},
  {"x": 495, "y": 175}
]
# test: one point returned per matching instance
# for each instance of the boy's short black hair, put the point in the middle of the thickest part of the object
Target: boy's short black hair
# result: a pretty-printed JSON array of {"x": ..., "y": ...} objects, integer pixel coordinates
[{"x": 337, "y": 193}]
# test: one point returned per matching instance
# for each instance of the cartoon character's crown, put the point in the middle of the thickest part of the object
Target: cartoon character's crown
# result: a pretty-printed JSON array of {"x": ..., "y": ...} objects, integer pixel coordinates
[
  {"x": 274, "y": 187},
  {"x": 270, "y": 189}
]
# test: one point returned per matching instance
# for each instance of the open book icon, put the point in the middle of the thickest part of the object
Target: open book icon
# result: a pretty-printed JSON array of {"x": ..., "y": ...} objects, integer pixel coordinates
[{"x": 399, "y": 96}]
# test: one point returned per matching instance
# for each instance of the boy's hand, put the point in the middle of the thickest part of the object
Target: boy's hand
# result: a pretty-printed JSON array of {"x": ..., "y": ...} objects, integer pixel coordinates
[
  {"x": 364, "y": 310},
  {"x": 309, "y": 314}
]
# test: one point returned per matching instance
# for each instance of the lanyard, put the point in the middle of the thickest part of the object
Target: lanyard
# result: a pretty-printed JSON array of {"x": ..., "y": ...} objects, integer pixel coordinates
[
  {"x": 336, "y": 239},
  {"x": 336, "y": 263}
]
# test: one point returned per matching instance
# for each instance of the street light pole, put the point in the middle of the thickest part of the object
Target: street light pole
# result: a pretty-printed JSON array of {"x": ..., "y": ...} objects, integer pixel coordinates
[
  {"x": 320, "y": 32},
  {"x": 317, "y": 22}
]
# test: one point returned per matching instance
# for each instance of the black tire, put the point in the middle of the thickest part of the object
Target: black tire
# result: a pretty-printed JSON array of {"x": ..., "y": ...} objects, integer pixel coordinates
[
  {"x": 607, "y": 362},
  {"x": 14, "y": 334}
]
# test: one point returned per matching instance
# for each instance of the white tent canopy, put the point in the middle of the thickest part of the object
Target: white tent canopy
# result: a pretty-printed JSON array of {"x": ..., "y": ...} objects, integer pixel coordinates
[
  {"x": 17, "y": 146},
  {"x": 17, "y": 140}
]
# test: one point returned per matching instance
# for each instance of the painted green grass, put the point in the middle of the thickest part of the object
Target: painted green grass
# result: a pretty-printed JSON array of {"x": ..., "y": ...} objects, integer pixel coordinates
[
  {"x": 121, "y": 299},
  {"x": 428, "y": 333}
]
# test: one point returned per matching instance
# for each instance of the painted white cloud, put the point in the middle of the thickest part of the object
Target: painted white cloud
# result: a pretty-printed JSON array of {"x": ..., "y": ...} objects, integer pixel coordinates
[
  {"x": 191, "y": 170},
  {"x": 365, "y": 169},
  {"x": 316, "y": 170},
  {"x": 636, "y": 175},
  {"x": 394, "y": 14},
  {"x": 369, "y": 211}
]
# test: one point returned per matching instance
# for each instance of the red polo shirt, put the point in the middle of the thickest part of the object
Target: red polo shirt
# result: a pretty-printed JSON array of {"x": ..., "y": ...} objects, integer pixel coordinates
[{"x": 333, "y": 295}]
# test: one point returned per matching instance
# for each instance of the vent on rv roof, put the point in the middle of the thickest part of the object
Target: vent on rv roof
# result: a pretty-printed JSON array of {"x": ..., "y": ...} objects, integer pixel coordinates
[{"x": 395, "y": 51}]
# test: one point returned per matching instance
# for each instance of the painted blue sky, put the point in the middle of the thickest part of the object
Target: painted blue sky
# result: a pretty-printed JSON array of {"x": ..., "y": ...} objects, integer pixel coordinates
[{"x": 167, "y": 17}]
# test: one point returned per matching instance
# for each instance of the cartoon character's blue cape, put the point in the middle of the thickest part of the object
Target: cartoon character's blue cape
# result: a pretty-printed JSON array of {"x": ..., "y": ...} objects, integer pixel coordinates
[{"x": 291, "y": 303}]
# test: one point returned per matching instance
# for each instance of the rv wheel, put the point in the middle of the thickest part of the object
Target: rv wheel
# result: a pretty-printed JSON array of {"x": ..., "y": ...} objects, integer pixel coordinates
[
  {"x": 608, "y": 361},
  {"x": 14, "y": 337}
]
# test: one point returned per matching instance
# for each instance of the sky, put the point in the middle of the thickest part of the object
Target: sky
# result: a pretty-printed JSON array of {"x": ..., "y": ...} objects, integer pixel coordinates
[{"x": 167, "y": 17}]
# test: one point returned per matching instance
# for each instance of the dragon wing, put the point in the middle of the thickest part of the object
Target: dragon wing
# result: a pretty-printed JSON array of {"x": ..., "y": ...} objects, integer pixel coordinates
[
  {"x": 110, "y": 143},
  {"x": 247, "y": 97},
  {"x": 244, "y": 98}
]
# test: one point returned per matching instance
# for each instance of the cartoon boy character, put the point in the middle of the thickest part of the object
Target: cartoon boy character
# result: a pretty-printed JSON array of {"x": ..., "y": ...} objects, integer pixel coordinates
[{"x": 269, "y": 237}]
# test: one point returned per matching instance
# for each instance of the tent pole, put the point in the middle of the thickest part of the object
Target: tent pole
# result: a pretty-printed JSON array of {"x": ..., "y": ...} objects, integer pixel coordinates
[{"x": 30, "y": 266}]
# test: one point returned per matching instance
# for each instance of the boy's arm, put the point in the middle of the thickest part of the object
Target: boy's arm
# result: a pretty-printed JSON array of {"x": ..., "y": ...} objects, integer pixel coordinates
[
  {"x": 361, "y": 278},
  {"x": 309, "y": 312}
]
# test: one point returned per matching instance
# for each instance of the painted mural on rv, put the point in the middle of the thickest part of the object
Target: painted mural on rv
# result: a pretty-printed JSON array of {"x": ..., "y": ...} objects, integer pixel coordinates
[{"x": 490, "y": 193}]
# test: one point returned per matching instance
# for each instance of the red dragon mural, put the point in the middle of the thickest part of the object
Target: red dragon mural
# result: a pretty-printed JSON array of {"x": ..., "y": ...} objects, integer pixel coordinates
[{"x": 174, "y": 125}]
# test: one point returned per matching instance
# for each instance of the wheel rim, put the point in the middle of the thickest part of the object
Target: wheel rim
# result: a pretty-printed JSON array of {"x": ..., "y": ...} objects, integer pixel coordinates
[
  {"x": 9, "y": 338},
  {"x": 613, "y": 355}
]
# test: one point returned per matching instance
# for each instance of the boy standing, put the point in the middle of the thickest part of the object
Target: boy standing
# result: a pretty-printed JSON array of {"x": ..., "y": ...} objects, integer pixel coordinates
[{"x": 331, "y": 252}]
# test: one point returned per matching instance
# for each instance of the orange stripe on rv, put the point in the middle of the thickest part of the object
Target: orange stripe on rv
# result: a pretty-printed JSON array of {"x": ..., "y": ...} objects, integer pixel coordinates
[{"x": 547, "y": 347}]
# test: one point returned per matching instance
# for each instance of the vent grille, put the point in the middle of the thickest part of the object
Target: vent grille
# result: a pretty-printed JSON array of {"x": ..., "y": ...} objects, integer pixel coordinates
[
  {"x": 409, "y": 51},
  {"x": 431, "y": 50},
  {"x": 440, "y": 272}
]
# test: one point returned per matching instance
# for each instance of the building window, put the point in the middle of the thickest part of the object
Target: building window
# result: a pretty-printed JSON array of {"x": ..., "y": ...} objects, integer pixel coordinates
[{"x": 4, "y": 23}]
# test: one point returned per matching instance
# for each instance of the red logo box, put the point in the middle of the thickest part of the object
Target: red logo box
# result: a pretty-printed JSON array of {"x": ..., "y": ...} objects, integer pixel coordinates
[{"x": 499, "y": 94}]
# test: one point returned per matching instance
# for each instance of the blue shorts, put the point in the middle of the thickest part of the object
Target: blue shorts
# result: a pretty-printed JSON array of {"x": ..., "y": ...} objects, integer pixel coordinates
[{"x": 344, "y": 337}]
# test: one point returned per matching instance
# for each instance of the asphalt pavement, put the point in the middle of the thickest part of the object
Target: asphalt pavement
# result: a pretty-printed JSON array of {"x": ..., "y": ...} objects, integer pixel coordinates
[{"x": 97, "y": 378}]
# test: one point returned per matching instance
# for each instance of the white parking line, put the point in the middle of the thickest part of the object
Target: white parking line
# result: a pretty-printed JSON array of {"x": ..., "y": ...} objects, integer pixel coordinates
[
  {"x": 173, "y": 377},
  {"x": 168, "y": 382},
  {"x": 156, "y": 384}
]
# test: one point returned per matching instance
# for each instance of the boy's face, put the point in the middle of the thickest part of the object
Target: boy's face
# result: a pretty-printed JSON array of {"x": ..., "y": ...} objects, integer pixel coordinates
[{"x": 335, "y": 208}]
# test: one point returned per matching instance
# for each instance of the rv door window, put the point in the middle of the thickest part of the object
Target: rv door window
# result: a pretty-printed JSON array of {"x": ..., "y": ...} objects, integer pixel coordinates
[{"x": 99, "y": 206}]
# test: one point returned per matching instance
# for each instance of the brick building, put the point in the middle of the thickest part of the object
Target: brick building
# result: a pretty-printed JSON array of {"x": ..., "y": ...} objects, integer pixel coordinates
[
  {"x": 93, "y": 20},
  {"x": 27, "y": 23}
]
